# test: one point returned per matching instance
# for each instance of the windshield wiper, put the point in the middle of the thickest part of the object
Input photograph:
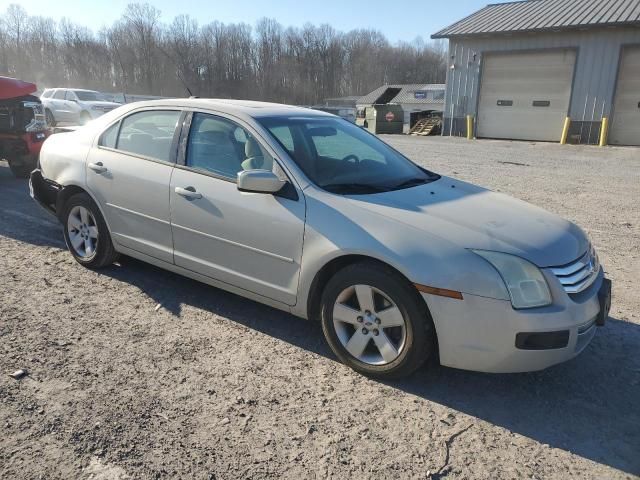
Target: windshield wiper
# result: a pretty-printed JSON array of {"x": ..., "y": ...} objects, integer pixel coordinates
[
  {"x": 412, "y": 182},
  {"x": 361, "y": 188}
]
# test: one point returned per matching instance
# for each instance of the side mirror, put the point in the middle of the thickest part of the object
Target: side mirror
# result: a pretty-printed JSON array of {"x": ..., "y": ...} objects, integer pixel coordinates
[{"x": 259, "y": 181}]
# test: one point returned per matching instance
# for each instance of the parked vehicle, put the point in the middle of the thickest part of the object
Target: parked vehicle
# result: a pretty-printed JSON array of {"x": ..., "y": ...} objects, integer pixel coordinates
[
  {"x": 306, "y": 212},
  {"x": 73, "y": 105},
  {"x": 22, "y": 125}
]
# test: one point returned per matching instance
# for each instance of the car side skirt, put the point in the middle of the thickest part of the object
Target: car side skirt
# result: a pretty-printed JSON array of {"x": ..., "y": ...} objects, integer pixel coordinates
[{"x": 204, "y": 279}]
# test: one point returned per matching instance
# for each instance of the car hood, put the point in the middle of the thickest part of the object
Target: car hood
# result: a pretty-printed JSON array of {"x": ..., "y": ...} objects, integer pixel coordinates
[
  {"x": 477, "y": 218},
  {"x": 13, "y": 88}
]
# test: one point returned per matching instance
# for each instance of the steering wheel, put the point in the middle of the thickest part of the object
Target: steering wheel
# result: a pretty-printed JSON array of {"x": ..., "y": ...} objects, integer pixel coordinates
[{"x": 349, "y": 158}]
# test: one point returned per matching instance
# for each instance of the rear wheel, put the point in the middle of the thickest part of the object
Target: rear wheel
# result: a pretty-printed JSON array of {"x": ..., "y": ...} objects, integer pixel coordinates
[
  {"x": 375, "y": 322},
  {"x": 86, "y": 233},
  {"x": 51, "y": 120}
]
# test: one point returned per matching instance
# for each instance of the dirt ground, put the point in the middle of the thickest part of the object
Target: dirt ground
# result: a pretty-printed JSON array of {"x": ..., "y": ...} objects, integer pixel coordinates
[{"x": 210, "y": 385}]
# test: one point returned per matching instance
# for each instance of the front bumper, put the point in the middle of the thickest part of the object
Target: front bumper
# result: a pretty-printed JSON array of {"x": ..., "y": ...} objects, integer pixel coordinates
[{"x": 480, "y": 334}]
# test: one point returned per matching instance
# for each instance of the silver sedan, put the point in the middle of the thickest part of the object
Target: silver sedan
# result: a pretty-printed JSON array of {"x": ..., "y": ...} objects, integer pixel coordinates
[{"x": 308, "y": 213}]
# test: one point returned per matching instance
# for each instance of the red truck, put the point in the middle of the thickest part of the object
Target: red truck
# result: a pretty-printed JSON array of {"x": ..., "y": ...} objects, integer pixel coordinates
[{"x": 23, "y": 128}]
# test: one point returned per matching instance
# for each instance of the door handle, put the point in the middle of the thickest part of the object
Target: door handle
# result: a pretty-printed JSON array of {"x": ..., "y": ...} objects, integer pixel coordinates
[
  {"x": 97, "y": 167},
  {"x": 188, "y": 192}
]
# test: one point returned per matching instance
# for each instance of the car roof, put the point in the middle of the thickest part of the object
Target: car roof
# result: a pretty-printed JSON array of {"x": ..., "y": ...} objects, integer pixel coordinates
[
  {"x": 80, "y": 90},
  {"x": 249, "y": 108},
  {"x": 68, "y": 88}
]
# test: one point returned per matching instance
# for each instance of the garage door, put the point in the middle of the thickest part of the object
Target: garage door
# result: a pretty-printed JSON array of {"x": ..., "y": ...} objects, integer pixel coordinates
[
  {"x": 525, "y": 96},
  {"x": 625, "y": 124}
]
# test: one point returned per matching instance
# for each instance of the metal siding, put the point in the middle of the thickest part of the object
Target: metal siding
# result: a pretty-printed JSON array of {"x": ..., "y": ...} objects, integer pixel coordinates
[
  {"x": 594, "y": 77},
  {"x": 406, "y": 93}
]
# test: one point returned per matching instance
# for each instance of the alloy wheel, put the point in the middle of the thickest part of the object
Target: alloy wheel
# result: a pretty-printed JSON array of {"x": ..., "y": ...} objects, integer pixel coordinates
[
  {"x": 369, "y": 325},
  {"x": 83, "y": 232}
]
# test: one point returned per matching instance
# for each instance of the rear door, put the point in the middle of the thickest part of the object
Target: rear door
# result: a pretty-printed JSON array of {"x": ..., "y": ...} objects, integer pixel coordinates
[
  {"x": 129, "y": 172},
  {"x": 73, "y": 107},
  {"x": 60, "y": 108},
  {"x": 249, "y": 240}
]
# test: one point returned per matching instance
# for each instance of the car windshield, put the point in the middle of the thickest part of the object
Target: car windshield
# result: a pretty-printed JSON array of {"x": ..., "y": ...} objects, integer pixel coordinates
[
  {"x": 340, "y": 157},
  {"x": 85, "y": 96}
]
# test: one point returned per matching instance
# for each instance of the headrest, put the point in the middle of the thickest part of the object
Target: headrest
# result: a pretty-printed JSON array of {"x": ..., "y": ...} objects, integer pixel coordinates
[{"x": 213, "y": 136}]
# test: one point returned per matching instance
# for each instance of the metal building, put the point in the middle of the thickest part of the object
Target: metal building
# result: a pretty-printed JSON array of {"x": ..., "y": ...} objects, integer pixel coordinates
[
  {"x": 521, "y": 68},
  {"x": 416, "y": 100}
]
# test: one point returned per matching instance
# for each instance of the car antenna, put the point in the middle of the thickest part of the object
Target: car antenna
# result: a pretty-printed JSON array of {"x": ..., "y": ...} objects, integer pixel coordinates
[{"x": 182, "y": 80}]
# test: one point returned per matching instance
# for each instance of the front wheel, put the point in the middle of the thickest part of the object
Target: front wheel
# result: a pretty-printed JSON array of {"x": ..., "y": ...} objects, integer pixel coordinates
[
  {"x": 86, "y": 233},
  {"x": 375, "y": 322}
]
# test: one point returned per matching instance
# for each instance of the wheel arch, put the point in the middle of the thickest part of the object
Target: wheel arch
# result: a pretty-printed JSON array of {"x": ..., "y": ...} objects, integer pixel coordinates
[
  {"x": 66, "y": 192},
  {"x": 335, "y": 265}
]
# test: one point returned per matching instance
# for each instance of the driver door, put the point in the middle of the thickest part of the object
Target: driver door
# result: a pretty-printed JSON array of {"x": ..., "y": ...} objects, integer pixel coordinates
[{"x": 249, "y": 240}]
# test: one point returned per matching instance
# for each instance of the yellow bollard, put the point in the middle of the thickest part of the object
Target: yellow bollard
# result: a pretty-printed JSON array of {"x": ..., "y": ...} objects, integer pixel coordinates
[
  {"x": 565, "y": 131},
  {"x": 469, "y": 127},
  {"x": 604, "y": 132}
]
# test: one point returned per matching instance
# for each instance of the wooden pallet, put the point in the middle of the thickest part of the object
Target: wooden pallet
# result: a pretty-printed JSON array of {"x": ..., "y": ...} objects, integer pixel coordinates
[{"x": 424, "y": 126}]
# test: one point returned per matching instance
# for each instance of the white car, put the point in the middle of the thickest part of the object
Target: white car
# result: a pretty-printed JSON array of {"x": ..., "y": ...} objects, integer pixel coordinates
[
  {"x": 308, "y": 213},
  {"x": 74, "y": 105}
]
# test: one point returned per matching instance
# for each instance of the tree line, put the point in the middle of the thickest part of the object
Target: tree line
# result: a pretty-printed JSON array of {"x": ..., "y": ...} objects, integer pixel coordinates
[{"x": 139, "y": 54}]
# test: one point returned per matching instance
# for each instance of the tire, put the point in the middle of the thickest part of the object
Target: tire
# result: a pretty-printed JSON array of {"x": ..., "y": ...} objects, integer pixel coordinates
[
  {"x": 51, "y": 120},
  {"x": 395, "y": 303},
  {"x": 22, "y": 169},
  {"x": 86, "y": 233},
  {"x": 85, "y": 118}
]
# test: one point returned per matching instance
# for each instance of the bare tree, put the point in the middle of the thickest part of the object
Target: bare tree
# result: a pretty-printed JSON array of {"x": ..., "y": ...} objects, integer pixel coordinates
[{"x": 139, "y": 54}]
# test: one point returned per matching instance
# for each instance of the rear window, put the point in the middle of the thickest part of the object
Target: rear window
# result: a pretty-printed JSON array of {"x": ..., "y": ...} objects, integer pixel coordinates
[
  {"x": 88, "y": 96},
  {"x": 149, "y": 134}
]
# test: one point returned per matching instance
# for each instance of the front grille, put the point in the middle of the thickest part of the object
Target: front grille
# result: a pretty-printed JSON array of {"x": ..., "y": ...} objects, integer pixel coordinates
[{"x": 580, "y": 274}]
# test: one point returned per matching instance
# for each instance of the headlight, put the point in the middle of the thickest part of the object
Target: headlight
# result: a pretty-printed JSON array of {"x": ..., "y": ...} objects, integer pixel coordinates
[{"x": 524, "y": 281}]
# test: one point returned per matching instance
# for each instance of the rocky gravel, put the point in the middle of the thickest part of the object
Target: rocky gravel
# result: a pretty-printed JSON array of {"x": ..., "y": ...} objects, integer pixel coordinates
[{"x": 134, "y": 372}]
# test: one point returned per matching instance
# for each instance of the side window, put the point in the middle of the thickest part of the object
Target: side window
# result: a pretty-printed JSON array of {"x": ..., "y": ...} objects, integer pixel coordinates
[
  {"x": 71, "y": 96},
  {"x": 110, "y": 136},
  {"x": 149, "y": 133},
  {"x": 59, "y": 94},
  {"x": 222, "y": 147},
  {"x": 47, "y": 93}
]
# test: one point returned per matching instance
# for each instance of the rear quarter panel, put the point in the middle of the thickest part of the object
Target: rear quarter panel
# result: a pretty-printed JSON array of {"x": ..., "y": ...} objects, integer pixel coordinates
[{"x": 63, "y": 156}]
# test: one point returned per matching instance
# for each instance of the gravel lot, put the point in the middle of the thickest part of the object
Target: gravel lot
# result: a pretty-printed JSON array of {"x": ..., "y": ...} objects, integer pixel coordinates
[{"x": 211, "y": 385}]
